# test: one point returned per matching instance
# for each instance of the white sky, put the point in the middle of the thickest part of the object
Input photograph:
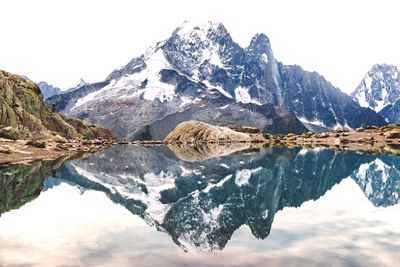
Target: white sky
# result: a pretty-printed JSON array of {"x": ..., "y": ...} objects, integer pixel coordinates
[{"x": 61, "y": 41}]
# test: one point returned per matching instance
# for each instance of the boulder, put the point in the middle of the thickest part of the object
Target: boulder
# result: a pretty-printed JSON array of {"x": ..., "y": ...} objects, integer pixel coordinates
[{"x": 200, "y": 132}]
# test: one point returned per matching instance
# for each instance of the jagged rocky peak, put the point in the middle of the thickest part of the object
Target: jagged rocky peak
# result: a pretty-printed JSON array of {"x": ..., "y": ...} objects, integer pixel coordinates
[
  {"x": 385, "y": 71},
  {"x": 135, "y": 65},
  {"x": 200, "y": 30},
  {"x": 186, "y": 49},
  {"x": 48, "y": 90},
  {"x": 196, "y": 44},
  {"x": 260, "y": 45},
  {"x": 82, "y": 82},
  {"x": 379, "y": 88}
]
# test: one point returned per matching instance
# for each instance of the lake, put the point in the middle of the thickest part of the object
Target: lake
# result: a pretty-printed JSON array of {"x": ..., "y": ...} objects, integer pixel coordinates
[{"x": 211, "y": 205}]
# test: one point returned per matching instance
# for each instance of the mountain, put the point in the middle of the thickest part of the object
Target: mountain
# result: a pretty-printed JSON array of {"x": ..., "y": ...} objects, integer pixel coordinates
[
  {"x": 24, "y": 114},
  {"x": 199, "y": 73},
  {"x": 48, "y": 90},
  {"x": 380, "y": 91},
  {"x": 200, "y": 204}
]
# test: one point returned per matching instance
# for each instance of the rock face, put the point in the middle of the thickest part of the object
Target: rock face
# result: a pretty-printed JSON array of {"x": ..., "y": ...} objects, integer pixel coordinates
[
  {"x": 391, "y": 113},
  {"x": 24, "y": 115},
  {"x": 201, "y": 68},
  {"x": 200, "y": 132},
  {"x": 380, "y": 91},
  {"x": 318, "y": 104}
]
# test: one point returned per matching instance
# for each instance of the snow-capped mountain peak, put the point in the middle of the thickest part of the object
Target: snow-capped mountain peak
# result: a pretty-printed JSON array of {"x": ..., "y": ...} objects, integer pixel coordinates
[
  {"x": 379, "y": 88},
  {"x": 144, "y": 74},
  {"x": 198, "y": 47},
  {"x": 201, "y": 30}
]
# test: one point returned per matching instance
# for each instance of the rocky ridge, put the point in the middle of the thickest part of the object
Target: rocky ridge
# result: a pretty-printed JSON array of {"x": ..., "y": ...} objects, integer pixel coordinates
[
  {"x": 31, "y": 130},
  {"x": 24, "y": 114}
]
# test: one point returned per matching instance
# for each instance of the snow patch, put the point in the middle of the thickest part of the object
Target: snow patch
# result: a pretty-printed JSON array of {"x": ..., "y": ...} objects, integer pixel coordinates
[
  {"x": 265, "y": 214},
  {"x": 362, "y": 171},
  {"x": 242, "y": 95},
  {"x": 215, "y": 212},
  {"x": 314, "y": 122},
  {"x": 264, "y": 58},
  {"x": 219, "y": 88},
  {"x": 154, "y": 88},
  {"x": 224, "y": 165},
  {"x": 219, "y": 184},
  {"x": 368, "y": 82},
  {"x": 212, "y": 56},
  {"x": 224, "y": 107},
  {"x": 380, "y": 104},
  {"x": 303, "y": 152},
  {"x": 381, "y": 166},
  {"x": 242, "y": 177},
  {"x": 185, "y": 172},
  {"x": 185, "y": 101}
]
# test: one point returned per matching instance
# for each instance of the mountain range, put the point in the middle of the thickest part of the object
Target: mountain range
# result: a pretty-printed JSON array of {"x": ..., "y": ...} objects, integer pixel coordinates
[
  {"x": 200, "y": 73},
  {"x": 49, "y": 90}
]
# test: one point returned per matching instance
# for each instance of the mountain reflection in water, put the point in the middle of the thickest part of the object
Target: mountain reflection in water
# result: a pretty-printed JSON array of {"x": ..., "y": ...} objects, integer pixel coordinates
[{"x": 201, "y": 195}]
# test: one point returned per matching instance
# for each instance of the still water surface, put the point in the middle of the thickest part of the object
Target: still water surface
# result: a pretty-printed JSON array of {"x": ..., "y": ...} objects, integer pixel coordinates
[{"x": 203, "y": 206}]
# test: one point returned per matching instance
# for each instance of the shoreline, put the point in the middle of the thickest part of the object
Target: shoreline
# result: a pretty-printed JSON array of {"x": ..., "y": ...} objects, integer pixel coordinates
[
  {"x": 385, "y": 139},
  {"x": 24, "y": 151},
  {"x": 371, "y": 139}
]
